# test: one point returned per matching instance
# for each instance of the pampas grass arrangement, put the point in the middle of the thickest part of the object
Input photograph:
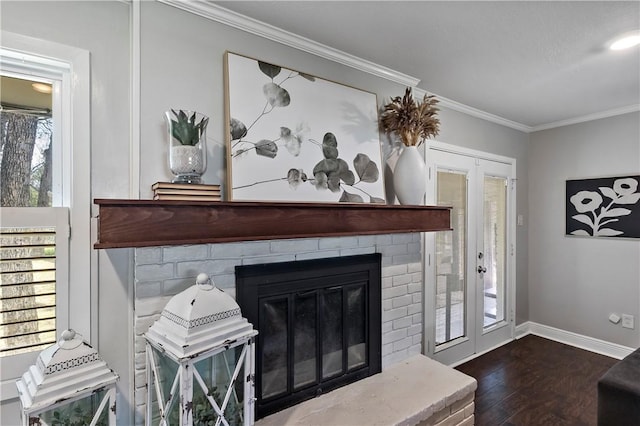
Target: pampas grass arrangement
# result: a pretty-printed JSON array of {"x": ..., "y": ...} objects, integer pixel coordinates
[{"x": 412, "y": 121}]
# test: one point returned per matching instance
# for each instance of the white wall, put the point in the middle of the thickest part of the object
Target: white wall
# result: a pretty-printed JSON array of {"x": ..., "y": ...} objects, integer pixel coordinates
[
  {"x": 575, "y": 282},
  {"x": 102, "y": 28},
  {"x": 165, "y": 57},
  {"x": 181, "y": 67}
]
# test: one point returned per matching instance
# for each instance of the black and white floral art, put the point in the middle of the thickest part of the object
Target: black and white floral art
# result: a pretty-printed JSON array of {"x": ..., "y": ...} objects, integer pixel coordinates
[
  {"x": 604, "y": 207},
  {"x": 296, "y": 137}
]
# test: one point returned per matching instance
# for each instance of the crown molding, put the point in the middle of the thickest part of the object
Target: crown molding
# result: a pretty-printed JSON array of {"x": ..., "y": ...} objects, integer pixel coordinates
[
  {"x": 474, "y": 112},
  {"x": 253, "y": 26},
  {"x": 588, "y": 117},
  {"x": 233, "y": 19}
]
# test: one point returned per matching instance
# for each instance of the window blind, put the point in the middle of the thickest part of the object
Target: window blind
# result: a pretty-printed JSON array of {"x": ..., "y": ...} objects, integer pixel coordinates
[{"x": 27, "y": 289}]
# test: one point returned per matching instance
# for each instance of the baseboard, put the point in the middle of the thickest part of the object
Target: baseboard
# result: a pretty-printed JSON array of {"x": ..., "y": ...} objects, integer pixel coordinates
[
  {"x": 523, "y": 330},
  {"x": 573, "y": 339},
  {"x": 476, "y": 355}
]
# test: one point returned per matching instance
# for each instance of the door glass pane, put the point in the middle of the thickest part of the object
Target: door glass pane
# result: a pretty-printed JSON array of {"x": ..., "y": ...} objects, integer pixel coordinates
[
  {"x": 275, "y": 348},
  {"x": 304, "y": 340},
  {"x": 451, "y": 260},
  {"x": 495, "y": 248}
]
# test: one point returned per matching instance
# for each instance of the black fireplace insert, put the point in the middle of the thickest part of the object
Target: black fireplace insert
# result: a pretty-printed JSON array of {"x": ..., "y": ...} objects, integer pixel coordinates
[{"x": 319, "y": 324}]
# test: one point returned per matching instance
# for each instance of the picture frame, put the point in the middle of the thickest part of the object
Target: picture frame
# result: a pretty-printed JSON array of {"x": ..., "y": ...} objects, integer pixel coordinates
[
  {"x": 294, "y": 137},
  {"x": 603, "y": 207}
]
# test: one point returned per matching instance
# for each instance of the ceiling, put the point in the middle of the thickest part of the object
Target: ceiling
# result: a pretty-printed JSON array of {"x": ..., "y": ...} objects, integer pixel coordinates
[
  {"x": 18, "y": 93},
  {"x": 534, "y": 63}
]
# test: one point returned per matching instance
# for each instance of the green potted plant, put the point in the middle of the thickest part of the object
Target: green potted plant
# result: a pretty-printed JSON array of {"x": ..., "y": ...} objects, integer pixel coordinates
[
  {"x": 413, "y": 122},
  {"x": 187, "y": 145}
]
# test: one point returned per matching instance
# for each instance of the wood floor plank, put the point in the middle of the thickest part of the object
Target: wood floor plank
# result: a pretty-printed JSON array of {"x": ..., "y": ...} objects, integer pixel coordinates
[{"x": 536, "y": 381}]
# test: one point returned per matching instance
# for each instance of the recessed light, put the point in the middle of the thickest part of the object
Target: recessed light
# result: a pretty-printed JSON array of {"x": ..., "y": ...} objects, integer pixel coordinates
[
  {"x": 42, "y": 87},
  {"x": 625, "y": 42}
]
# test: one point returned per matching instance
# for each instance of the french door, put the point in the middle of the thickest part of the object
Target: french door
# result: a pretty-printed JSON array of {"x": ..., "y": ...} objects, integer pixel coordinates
[{"x": 470, "y": 270}]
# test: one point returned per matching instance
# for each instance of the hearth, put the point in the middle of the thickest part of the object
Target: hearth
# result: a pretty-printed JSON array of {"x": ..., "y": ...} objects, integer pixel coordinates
[{"x": 319, "y": 324}]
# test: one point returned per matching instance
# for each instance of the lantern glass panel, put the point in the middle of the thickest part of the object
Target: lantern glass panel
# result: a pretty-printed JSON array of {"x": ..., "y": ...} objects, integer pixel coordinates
[
  {"x": 217, "y": 372},
  {"x": 79, "y": 412},
  {"x": 167, "y": 370}
]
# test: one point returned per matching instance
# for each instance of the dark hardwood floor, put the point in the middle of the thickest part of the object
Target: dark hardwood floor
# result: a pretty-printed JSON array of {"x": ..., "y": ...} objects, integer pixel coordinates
[{"x": 535, "y": 381}]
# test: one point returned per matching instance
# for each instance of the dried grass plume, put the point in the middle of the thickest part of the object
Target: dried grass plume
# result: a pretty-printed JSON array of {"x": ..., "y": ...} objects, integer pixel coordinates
[{"x": 412, "y": 121}]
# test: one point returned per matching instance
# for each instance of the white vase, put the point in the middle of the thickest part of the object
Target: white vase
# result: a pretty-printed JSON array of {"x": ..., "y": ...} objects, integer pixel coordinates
[{"x": 409, "y": 180}]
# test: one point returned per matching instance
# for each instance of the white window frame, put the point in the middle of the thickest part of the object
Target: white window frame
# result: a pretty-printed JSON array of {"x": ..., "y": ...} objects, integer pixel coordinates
[{"x": 69, "y": 68}]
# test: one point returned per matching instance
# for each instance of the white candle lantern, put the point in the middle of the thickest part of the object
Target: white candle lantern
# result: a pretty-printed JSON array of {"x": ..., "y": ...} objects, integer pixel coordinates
[
  {"x": 200, "y": 360},
  {"x": 69, "y": 385}
]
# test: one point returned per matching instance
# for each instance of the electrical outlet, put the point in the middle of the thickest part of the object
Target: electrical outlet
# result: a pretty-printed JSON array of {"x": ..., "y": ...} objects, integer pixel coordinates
[{"x": 627, "y": 321}]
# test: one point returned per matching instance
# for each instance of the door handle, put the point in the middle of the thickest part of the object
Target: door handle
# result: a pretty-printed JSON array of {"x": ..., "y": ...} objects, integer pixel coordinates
[{"x": 482, "y": 269}]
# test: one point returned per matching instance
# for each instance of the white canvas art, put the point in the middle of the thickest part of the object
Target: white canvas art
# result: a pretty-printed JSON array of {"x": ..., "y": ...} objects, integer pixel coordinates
[{"x": 295, "y": 137}]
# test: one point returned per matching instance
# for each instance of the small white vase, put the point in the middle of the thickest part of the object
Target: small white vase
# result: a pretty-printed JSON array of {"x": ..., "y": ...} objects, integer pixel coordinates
[{"x": 409, "y": 180}]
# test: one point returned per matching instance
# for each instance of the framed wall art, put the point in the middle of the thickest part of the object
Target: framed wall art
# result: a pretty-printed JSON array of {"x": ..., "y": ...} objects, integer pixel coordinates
[
  {"x": 603, "y": 207},
  {"x": 295, "y": 137}
]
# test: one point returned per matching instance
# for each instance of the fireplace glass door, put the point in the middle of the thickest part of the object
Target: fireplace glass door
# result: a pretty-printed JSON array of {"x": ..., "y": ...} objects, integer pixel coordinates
[{"x": 318, "y": 323}]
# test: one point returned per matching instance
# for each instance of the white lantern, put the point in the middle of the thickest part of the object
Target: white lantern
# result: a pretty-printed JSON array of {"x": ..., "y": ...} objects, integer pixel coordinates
[
  {"x": 69, "y": 385},
  {"x": 200, "y": 365}
]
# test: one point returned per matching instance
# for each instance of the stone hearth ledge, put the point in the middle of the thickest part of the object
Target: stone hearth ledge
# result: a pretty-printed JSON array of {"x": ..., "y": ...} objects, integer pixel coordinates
[{"x": 417, "y": 391}]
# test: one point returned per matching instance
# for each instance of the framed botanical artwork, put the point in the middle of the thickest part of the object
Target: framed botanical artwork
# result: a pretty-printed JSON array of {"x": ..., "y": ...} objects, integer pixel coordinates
[
  {"x": 295, "y": 137},
  {"x": 603, "y": 207}
]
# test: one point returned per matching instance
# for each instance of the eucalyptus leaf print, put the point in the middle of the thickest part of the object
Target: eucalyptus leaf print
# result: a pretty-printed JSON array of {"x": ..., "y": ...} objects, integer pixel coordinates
[
  {"x": 238, "y": 129},
  {"x": 367, "y": 170},
  {"x": 267, "y": 149},
  {"x": 269, "y": 69},
  {"x": 330, "y": 146},
  {"x": 599, "y": 210},
  {"x": 276, "y": 95},
  {"x": 350, "y": 198},
  {"x": 295, "y": 177},
  {"x": 291, "y": 136},
  {"x": 344, "y": 173},
  {"x": 307, "y": 76},
  {"x": 293, "y": 142}
]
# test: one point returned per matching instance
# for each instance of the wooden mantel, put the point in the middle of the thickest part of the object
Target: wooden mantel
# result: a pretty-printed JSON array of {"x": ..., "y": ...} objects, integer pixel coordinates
[{"x": 143, "y": 223}]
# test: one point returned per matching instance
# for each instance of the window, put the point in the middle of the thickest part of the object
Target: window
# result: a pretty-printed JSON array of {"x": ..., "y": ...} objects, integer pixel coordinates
[
  {"x": 28, "y": 253},
  {"x": 45, "y": 268},
  {"x": 26, "y": 138}
]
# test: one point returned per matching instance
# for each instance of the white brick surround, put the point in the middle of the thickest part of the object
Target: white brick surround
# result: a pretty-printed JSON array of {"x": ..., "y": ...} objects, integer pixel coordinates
[{"x": 162, "y": 272}]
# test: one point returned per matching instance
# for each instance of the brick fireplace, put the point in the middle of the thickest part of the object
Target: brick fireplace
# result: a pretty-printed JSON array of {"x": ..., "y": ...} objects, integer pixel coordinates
[{"x": 161, "y": 272}]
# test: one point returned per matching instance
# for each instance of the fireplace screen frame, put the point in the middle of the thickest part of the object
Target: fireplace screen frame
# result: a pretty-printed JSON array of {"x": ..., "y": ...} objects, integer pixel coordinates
[{"x": 264, "y": 282}]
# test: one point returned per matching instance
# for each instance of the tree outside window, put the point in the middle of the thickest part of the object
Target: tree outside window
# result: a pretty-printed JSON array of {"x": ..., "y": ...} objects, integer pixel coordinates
[
  {"x": 26, "y": 130},
  {"x": 27, "y": 255}
]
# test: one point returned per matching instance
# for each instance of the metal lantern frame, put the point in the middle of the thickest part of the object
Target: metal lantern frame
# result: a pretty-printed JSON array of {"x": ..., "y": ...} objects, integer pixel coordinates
[
  {"x": 199, "y": 324},
  {"x": 66, "y": 373},
  {"x": 32, "y": 415},
  {"x": 187, "y": 374}
]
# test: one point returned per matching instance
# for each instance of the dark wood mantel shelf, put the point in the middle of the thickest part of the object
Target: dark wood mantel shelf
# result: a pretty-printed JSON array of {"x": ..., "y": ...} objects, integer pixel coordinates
[{"x": 143, "y": 223}]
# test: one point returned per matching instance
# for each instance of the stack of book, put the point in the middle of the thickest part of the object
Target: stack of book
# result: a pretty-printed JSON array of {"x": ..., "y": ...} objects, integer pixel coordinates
[{"x": 185, "y": 191}]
